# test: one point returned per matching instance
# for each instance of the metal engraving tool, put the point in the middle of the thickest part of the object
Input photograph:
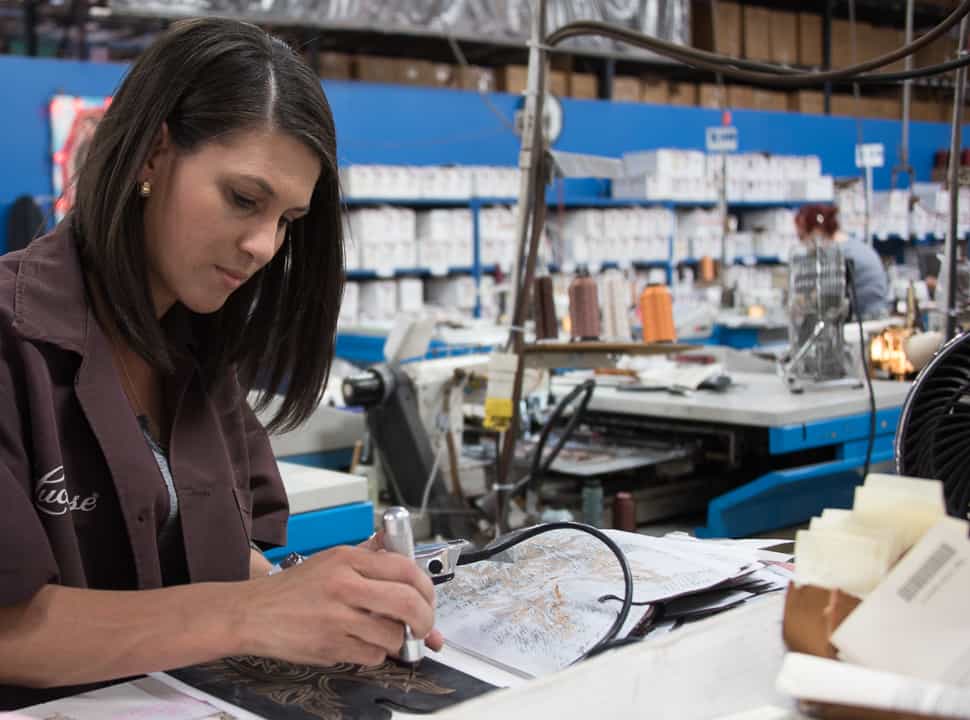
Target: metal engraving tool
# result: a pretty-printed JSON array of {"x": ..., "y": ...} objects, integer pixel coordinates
[{"x": 398, "y": 538}]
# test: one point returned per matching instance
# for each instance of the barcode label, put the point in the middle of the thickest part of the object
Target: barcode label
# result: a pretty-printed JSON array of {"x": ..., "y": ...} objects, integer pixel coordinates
[{"x": 921, "y": 578}]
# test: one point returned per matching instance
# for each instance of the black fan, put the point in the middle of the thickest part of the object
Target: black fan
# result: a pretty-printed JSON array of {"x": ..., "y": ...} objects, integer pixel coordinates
[{"x": 933, "y": 437}]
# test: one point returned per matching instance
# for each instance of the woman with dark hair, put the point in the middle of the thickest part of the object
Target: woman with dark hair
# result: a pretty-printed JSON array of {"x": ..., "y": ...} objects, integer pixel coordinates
[
  {"x": 136, "y": 485},
  {"x": 819, "y": 223}
]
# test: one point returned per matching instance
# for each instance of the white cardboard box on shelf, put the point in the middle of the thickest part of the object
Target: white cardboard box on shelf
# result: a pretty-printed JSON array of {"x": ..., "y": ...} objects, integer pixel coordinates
[
  {"x": 410, "y": 295},
  {"x": 378, "y": 300},
  {"x": 665, "y": 162},
  {"x": 820, "y": 189},
  {"x": 349, "y": 305},
  {"x": 452, "y": 292}
]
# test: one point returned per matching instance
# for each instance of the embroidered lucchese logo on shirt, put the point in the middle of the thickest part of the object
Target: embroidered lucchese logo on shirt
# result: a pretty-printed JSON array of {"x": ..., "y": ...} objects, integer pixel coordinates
[{"x": 52, "y": 497}]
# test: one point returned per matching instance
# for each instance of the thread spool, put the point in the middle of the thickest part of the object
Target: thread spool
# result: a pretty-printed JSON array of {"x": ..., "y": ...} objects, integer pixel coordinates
[
  {"x": 584, "y": 308},
  {"x": 707, "y": 270},
  {"x": 616, "y": 307},
  {"x": 624, "y": 512},
  {"x": 593, "y": 502},
  {"x": 657, "y": 314},
  {"x": 547, "y": 327}
]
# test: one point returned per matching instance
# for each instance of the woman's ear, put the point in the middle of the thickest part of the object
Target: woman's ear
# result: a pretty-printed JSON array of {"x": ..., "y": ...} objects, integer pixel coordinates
[{"x": 158, "y": 155}]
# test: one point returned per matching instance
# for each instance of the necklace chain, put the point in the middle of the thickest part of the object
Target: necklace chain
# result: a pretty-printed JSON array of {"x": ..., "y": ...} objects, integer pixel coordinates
[{"x": 131, "y": 386}]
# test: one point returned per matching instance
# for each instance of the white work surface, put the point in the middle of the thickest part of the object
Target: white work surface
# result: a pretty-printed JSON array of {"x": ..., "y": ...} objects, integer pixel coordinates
[
  {"x": 720, "y": 668},
  {"x": 311, "y": 488},
  {"x": 757, "y": 399}
]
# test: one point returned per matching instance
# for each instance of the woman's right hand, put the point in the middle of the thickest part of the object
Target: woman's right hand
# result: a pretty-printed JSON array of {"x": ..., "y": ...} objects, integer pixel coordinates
[{"x": 347, "y": 604}]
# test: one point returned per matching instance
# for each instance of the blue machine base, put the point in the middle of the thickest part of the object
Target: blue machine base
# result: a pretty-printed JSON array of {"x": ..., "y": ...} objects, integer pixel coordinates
[
  {"x": 311, "y": 532},
  {"x": 791, "y": 496}
]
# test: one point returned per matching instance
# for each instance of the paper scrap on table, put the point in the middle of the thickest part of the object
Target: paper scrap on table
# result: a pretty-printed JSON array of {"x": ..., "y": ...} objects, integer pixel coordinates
[
  {"x": 145, "y": 699},
  {"x": 821, "y": 680},
  {"x": 915, "y": 622}
]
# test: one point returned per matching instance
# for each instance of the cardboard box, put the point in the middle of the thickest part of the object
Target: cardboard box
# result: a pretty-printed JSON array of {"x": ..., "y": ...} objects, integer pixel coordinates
[
  {"x": 727, "y": 16},
  {"x": 375, "y": 68},
  {"x": 770, "y": 100},
  {"x": 683, "y": 94},
  {"x": 807, "y": 101},
  {"x": 886, "y": 41},
  {"x": 654, "y": 90},
  {"x": 757, "y": 33},
  {"x": 889, "y": 108},
  {"x": 810, "y": 39},
  {"x": 445, "y": 75},
  {"x": 844, "y": 105},
  {"x": 712, "y": 95},
  {"x": 841, "y": 44},
  {"x": 415, "y": 72},
  {"x": 512, "y": 79},
  {"x": 583, "y": 85},
  {"x": 474, "y": 77},
  {"x": 558, "y": 83},
  {"x": 740, "y": 96},
  {"x": 335, "y": 66},
  {"x": 783, "y": 29},
  {"x": 626, "y": 89},
  {"x": 938, "y": 51}
]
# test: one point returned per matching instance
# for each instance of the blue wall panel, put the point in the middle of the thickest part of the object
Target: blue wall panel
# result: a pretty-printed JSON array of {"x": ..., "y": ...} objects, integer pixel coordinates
[{"x": 394, "y": 124}]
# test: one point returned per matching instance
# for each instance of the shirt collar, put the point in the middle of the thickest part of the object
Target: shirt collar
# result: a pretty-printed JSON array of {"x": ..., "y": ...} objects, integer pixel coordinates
[{"x": 51, "y": 301}]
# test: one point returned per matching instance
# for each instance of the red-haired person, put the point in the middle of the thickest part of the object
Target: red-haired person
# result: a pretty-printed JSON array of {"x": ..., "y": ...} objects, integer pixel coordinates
[{"x": 820, "y": 223}]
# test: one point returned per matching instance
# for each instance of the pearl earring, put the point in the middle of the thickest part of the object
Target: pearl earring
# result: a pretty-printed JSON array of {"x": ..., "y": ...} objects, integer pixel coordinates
[{"x": 145, "y": 189}]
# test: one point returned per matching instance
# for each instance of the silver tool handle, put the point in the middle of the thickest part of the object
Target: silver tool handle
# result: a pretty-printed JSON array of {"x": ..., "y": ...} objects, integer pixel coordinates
[{"x": 399, "y": 538}]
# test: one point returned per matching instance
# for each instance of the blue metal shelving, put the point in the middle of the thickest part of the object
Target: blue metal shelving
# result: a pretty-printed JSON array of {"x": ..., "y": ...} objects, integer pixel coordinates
[{"x": 475, "y": 204}]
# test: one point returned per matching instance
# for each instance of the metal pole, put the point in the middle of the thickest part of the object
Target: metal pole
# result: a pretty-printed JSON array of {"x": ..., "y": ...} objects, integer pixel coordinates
[
  {"x": 907, "y": 88},
  {"x": 530, "y": 186},
  {"x": 954, "y": 183},
  {"x": 526, "y": 162},
  {"x": 827, "y": 52},
  {"x": 30, "y": 27},
  {"x": 907, "y": 110}
]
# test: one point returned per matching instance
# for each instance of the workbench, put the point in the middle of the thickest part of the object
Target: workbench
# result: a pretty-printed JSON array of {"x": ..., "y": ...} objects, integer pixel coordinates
[{"x": 836, "y": 420}]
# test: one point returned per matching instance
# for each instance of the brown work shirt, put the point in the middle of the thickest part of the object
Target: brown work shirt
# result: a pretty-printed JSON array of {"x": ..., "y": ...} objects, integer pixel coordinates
[{"x": 80, "y": 490}]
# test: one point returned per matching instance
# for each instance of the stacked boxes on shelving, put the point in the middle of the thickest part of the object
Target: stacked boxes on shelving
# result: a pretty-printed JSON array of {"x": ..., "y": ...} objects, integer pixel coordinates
[
  {"x": 496, "y": 228},
  {"x": 442, "y": 182},
  {"x": 445, "y": 238},
  {"x": 384, "y": 238},
  {"x": 773, "y": 232},
  {"x": 623, "y": 235},
  {"x": 691, "y": 176}
]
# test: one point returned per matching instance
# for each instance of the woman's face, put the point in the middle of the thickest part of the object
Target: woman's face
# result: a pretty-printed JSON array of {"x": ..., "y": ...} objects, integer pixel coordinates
[{"x": 218, "y": 214}]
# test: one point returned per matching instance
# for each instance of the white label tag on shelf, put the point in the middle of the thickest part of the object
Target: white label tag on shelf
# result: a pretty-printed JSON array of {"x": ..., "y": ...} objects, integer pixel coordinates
[
  {"x": 722, "y": 139},
  {"x": 438, "y": 269},
  {"x": 870, "y": 155}
]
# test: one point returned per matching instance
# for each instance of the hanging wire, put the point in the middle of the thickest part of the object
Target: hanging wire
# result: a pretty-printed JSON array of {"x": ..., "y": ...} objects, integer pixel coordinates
[{"x": 755, "y": 73}]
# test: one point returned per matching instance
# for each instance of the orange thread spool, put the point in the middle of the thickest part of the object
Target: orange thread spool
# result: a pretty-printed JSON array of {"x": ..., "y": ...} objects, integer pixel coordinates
[{"x": 657, "y": 314}]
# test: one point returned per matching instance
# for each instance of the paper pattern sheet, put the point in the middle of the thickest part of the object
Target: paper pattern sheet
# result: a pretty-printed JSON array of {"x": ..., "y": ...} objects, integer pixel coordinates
[
  {"x": 145, "y": 699},
  {"x": 540, "y": 613}
]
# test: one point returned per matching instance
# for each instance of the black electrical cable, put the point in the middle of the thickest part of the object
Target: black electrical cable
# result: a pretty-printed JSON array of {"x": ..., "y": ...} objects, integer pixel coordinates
[
  {"x": 540, "y": 466},
  {"x": 513, "y": 539},
  {"x": 850, "y": 275},
  {"x": 766, "y": 74}
]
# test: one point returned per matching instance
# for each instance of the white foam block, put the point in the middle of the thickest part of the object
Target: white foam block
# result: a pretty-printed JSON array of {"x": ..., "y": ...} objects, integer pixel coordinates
[
  {"x": 311, "y": 488},
  {"x": 829, "y": 558},
  {"x": 908, "y": 506}
]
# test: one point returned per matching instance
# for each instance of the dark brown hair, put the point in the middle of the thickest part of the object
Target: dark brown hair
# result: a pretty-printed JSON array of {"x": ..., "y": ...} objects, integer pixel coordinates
[
  {"x": 812, "y": 218},
  {"x": 208, "y": 79}
]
